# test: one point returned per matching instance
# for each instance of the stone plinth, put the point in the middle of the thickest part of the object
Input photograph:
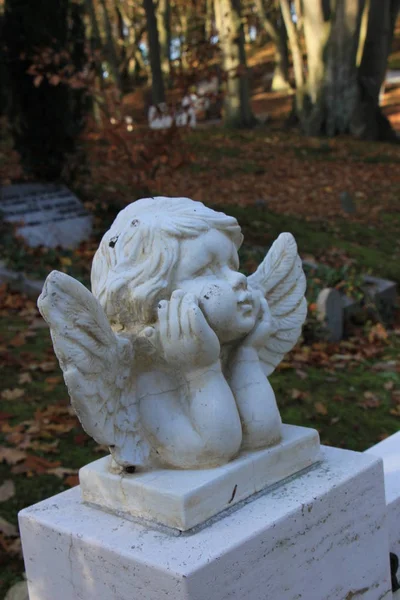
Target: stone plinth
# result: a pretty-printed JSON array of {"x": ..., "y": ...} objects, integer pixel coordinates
[
  {"x": 389, "y": 451},
  {"x": 320, "y": 535},
  {"x": 184, "y": 499}
]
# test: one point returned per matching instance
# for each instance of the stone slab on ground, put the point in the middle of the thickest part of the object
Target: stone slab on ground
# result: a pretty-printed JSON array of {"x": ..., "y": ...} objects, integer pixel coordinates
[
  {"x": 20, "y": 283},
  {"x": 320, "y": 535},
  {"x": 182, "y": 499},
  {"x": 51, "y": 214}
]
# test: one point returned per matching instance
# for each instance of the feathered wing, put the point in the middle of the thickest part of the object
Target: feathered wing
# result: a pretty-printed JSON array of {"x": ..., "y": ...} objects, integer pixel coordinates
[
  {"x": 281, "y": 280},
  {"x": 97, "y": 366}
]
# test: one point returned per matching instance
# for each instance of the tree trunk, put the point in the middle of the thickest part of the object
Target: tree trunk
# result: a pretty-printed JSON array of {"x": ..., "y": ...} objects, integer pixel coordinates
[
  {"x": 294, "y": 47},
  {"x": 278, "y": 37},
  {"x": 157, "y": 82},
  {"x": 164, "y": 33},
  {"x": 368, "y": 121},
  {"x": 46, "y": 119},
  {"x": 112, "y": 56},
  {"x": 237, "y": 108},
  {"x": 345, "y": 72},
  {"x": 209, "y": 25},
  {"x": 280, "y": 81}
]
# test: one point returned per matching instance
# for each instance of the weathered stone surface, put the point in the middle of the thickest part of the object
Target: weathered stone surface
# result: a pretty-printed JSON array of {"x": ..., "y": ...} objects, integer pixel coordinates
[
  {"x": 320, "y": 535},
  {"x": 389, "y": 451},
  {"x": 383, "y": 295},
  {"x": 51, "y": 214},
  {"x": 167, "y": 360},
  {"x": 184, "y": 499},
  {"x": 330, "y": 312}
]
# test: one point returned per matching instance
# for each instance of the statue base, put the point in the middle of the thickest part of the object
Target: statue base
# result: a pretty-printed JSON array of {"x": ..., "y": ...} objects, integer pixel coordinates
[
  {"x": 322, "y": 534},
  {"x": 183, "y": 499}
]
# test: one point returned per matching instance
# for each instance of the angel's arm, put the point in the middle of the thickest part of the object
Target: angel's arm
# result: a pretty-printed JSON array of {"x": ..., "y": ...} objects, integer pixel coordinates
[
  {"x": 280, "y": 283},
  {"x": 195, "y": 423},
  {"x": 253, "y": 393}
]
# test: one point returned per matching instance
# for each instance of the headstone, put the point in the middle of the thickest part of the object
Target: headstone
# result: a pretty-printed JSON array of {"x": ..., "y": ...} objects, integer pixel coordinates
[
  {"x": 383, "y": 294},
  {"x": 50, "y": 214},
  {"x": 347, "y": 203},
  {"x": 330, "y": 311}
]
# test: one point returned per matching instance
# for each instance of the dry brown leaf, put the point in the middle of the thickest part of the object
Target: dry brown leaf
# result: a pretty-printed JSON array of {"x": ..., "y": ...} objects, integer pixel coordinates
[
  {"x": 18, "y": 340},
  {"x": 35, "y": 464},
  {"x": 320, "y": 408},
  {"x": 7, "y": 490},
  {"x": 25, "y": 378},
  {"x": 55, "y": 380},
  {"x": 61, "y": 472},
  {"x": 371, "y": 400},
  {"x": 72, "y": 480},
  {"x": 11, "y": 456},
  {"x": 12, "y": 394},
  {"x": 8, "y": 529}
]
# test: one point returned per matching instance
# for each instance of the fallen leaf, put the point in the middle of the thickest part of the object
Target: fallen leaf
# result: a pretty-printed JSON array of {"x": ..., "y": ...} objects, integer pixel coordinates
[
  {"x": 72, "y": 480},
  {"x": 35, "y": 464},
  {"x": 61, "y": 472},
  {"x": 8, "y": 529},
  {"x": 25, "y": 378},
  {"x": 55, "y": 380},
  {"x": 7, "y": 490},
  {"x": 320, "y": 408},
  {"x": 12, "y": 394},
  {"x": 371, "y": 400},
  {"x": 18, "y": 340},
  {"x": 19, "y": 591},
  {"x": 301, "y": 374},
  {"x": 11, "y": 456}
]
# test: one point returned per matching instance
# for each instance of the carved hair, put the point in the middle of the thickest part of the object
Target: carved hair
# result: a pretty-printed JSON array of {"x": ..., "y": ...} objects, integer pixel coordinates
[{"x": 133, "y": 267}]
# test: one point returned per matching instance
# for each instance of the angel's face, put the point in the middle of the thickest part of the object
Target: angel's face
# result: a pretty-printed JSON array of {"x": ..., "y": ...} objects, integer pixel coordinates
[{"x": 208, "y": 268}]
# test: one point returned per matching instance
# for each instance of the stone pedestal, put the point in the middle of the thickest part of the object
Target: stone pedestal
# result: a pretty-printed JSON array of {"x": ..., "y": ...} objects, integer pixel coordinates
[
  {"x": 319, "y": 535},
  {"x": 389, "y": 451},
  {"x": 182, "y": 499}
]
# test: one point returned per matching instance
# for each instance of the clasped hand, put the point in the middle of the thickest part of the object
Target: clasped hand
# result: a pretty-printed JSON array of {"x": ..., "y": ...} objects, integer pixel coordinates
[{"x": 182, "y": 333}]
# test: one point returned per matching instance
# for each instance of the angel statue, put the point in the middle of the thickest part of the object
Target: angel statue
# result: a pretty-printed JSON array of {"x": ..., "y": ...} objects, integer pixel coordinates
[{"x": 167, "y": 360}]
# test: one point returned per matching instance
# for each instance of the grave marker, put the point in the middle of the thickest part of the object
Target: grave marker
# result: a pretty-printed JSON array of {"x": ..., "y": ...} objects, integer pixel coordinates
[{"x": 50, "y": 214}]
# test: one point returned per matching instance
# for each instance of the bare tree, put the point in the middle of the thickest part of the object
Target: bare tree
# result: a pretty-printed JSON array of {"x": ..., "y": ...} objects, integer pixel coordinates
[
  {"x": 157, "y": 81},
  {"x": 347, "y": 45},
  {"x": 237, "y": 108}
]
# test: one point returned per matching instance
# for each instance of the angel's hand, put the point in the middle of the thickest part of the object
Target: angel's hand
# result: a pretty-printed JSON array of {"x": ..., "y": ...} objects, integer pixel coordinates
[
  {"x": 263, "y": 328},
  {"x": 183, "y": 335}
]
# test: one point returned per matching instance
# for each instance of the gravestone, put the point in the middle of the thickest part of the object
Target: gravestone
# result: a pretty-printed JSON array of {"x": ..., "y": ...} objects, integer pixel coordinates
[
  {"x": 347, "y": 203},
  {"x": 50, "y": 214},
  {"x": 330, "y": 312}
]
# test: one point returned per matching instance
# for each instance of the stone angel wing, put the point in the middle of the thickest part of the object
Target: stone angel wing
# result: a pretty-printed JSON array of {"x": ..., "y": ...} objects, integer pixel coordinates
[
  {"x": 281, "y": 280},
  {"x": 97, "y": 366}
]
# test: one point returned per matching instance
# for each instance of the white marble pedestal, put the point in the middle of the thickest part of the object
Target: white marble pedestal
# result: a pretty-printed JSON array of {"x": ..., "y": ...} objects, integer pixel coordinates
[
  {"x": 183, "y": 499},
  {"x": 322, "y": 535}
]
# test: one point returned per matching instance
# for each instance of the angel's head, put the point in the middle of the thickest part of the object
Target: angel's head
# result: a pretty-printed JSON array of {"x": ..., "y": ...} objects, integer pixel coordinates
[{"x": 158, "y": 245}]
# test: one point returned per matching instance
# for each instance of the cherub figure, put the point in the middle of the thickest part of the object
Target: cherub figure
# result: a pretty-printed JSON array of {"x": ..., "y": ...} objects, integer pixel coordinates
[{"x": 167, "y": 361}]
